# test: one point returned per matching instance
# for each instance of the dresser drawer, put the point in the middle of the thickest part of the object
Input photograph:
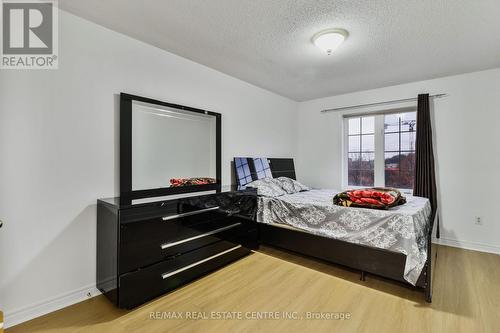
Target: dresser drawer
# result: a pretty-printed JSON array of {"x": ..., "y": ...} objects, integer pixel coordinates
[
  {"x": 146, "y": 284},
  {"x": 148, "y": 242},
  {"x": 169, "y": 210}
]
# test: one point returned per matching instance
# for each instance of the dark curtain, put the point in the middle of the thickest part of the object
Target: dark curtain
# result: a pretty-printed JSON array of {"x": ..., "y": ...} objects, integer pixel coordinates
[{"x": 425, "y": 175}]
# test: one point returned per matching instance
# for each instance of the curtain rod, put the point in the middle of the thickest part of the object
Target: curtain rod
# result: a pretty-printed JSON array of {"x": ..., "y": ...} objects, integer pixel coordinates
[{"x": 395, "y": 101}]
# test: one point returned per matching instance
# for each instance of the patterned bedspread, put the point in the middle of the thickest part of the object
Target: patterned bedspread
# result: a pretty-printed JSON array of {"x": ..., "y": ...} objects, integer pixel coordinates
[{"x": 401, "y": 229}]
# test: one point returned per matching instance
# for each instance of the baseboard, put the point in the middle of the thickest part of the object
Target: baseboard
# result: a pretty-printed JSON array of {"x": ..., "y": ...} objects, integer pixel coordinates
[
  {"x": 467, "y": 245},
  {"x": 29, "y": 312}
]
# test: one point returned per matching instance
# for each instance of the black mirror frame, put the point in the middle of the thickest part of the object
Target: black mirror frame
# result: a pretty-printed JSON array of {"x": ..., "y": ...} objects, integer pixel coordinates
[{"x": 126, "y": 191}]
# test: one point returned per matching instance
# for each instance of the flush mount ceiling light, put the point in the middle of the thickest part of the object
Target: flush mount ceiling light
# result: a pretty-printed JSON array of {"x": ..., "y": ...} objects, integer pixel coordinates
[{"x": 329, "y": 40}]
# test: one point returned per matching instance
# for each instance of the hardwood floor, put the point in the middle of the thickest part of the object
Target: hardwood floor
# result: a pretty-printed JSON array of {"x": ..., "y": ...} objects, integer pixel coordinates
[{"x": 466, "y": 299}]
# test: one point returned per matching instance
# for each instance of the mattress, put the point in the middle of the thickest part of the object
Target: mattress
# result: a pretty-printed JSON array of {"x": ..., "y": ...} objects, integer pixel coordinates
[{"x": 402, "y": 229}]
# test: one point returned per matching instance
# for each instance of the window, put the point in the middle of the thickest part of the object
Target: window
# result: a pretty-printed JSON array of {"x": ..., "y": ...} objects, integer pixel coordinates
[
  {"x": 399, "y": 149},
  {"x": 361, "y": 152},
  {"x": 380, "y": 150}
]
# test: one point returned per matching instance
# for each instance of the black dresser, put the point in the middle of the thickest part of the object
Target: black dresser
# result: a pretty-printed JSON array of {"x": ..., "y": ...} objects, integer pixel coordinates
[{"x": 145, "y": 249}]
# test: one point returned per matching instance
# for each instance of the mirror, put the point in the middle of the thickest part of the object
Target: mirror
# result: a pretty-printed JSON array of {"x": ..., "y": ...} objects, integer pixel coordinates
[
  {"x": 169, "y": 144},
  {"x": 173, "y": 148}
]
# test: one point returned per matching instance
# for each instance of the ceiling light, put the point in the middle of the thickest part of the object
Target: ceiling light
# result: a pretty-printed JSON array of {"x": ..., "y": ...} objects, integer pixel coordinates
[{"x": 329, "y": 40}]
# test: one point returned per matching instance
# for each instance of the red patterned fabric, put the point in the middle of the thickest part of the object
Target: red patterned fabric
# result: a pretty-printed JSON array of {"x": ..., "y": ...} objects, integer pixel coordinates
[
  {"x": 376, "y": 198},
  {"x": 175, "y": 182}
]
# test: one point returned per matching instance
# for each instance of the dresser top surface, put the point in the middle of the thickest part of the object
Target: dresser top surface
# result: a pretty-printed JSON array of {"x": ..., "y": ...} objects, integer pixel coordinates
[{"x": 121, "y": 203}]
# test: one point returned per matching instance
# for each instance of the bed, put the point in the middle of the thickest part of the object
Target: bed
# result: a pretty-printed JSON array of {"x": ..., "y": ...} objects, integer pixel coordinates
[{"x": 394, "y": 243}]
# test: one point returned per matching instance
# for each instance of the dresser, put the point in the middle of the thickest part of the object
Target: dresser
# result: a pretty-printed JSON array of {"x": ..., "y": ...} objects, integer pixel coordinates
[{"x": 146, "y": 248}]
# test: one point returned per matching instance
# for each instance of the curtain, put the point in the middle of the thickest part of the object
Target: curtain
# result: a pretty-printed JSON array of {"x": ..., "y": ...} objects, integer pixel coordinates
[{"x": 425, "y": 175}]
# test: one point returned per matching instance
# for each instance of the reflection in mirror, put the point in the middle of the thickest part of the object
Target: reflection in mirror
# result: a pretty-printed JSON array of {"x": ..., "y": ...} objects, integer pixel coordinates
[
  {"x": 249, "y": 169},
  {"x": 171, "y": 147}
]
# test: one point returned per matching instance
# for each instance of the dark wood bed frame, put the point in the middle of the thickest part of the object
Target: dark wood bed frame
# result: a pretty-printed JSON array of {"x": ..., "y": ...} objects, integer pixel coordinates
[{"x": 366, "y": 259}]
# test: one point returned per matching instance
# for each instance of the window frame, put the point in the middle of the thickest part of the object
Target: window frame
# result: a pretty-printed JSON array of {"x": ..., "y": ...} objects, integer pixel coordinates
[{"x": 379, "y": 148}]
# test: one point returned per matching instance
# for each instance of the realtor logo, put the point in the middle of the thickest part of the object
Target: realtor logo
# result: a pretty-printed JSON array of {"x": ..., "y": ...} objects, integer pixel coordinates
[{"x": 29, "y": 34}]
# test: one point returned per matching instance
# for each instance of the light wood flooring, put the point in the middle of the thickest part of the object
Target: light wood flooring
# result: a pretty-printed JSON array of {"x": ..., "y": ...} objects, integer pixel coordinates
[{"x": 466, "y": 299}]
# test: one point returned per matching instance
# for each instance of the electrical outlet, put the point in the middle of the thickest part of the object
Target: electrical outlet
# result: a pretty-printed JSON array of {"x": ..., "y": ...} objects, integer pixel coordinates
[{"x": 478, "y": 220}]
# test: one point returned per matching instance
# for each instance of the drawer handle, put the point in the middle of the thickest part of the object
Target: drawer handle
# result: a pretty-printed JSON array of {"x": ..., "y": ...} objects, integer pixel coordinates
[
  {"x": 166, "y": 275},
  {"x": 167, "y": 245},
  {"x": 171, "y": 217}
]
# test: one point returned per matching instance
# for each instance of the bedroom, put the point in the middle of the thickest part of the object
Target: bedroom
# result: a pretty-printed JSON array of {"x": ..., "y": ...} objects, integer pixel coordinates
[{"x": 256, "y": 64}]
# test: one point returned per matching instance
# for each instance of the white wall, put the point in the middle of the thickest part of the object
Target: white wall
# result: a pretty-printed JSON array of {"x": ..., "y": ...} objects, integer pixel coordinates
[
  {"x": 58, "y": 149},
  {"x": 467, "y": 136}
]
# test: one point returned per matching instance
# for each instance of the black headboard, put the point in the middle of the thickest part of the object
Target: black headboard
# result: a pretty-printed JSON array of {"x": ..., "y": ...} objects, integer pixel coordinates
[{"x": 248, "y": 169}]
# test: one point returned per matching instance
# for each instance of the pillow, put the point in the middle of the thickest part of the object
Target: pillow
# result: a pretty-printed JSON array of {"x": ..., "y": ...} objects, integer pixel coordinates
[
  {"x": 286, "y": 184},
  {"x": 267, "y": 187},
  {"x": 290, "y": 186}
]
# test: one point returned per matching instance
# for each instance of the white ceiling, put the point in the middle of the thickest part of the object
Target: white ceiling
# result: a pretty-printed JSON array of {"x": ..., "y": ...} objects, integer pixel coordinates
[{"x": 268, "y": 42}]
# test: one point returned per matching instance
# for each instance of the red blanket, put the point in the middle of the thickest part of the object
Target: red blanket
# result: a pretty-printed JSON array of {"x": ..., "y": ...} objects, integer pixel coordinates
[{"x": 376, "y": 198}]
